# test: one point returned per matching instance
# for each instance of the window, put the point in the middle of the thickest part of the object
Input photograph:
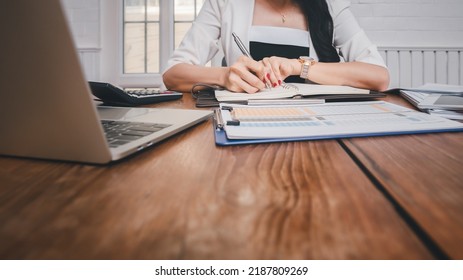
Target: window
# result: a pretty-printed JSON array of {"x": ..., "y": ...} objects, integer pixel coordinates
[
  {"x": 185, "y": 13},
  {"x": 135, "y": 53},
  {"x": 141, "y": 36}
]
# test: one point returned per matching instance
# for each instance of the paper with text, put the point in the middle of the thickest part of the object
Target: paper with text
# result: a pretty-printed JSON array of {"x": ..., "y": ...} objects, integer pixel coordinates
[{"x": 329, "y": 119}]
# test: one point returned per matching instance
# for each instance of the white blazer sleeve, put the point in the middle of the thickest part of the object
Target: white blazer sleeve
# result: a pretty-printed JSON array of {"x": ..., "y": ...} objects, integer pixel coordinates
[{"x": 350, "y": 38}]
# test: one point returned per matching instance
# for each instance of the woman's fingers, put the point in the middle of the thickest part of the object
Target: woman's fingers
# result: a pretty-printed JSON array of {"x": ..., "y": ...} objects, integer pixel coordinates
[
  {"x": 274, "y": 76},
  {"x": 246, "y": 75},
  {"x": 281, "y": 68},
  {"x": 243, "y": 82},
  {"x": 251, "y": 76}
]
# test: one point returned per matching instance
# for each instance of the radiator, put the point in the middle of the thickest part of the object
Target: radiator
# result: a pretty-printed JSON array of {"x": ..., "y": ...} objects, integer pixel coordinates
[{"x": 414, "y": 66}]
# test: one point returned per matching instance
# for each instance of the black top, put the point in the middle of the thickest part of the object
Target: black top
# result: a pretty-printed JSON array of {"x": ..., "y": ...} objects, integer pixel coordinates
[{"x": 260, "y": 50}]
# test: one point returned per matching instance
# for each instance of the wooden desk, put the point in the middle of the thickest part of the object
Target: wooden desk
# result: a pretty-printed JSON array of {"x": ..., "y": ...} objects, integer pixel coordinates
[{"x": 397, "y": 197}]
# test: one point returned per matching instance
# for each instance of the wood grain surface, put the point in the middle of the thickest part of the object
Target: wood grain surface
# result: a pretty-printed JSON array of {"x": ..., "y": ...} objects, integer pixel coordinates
[
  {"x": 186, "y": 198},
  {"x": 424, "y": 174}
]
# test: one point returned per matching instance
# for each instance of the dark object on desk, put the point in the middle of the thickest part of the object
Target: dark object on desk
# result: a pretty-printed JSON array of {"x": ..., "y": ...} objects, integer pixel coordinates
[
  {"x": 205, "y": 95},
  {"x": 113, "y": 95}
]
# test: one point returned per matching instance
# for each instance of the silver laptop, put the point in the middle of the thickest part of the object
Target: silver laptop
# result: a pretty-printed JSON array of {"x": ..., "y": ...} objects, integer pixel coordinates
[{"x": 46, "y": 107}]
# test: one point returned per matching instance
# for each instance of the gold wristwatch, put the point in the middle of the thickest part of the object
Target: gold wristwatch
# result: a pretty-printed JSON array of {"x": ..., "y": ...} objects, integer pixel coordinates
[{"x": 306, "y": 62}]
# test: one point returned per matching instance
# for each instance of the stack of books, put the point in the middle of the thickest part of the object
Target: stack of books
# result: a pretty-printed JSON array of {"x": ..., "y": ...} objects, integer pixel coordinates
[{"x": 437, "y": 99}]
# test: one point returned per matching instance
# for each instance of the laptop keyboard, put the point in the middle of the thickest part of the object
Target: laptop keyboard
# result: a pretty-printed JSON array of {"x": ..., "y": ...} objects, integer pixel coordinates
[{"x": 121, "y": 132}]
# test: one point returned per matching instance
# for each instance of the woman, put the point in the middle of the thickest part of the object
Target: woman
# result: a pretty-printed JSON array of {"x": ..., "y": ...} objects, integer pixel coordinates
[{"x": 287, "y": 39}]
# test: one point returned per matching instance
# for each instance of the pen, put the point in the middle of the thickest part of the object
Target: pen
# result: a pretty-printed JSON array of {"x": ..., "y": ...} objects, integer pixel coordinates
[
  {"x": 241, "y": 45},
  {"x": 245, "y": 51}
]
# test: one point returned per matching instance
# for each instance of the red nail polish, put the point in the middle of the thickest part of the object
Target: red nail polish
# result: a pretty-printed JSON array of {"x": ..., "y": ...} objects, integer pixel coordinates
[
  {"x": 268, "y": 76},
  {"x": 279, "y": 82},
  {"x": 274, "y": 84}
]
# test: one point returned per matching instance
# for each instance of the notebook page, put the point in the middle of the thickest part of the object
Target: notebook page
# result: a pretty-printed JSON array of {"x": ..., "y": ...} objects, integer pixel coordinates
[{"x": 291, "y": 90}]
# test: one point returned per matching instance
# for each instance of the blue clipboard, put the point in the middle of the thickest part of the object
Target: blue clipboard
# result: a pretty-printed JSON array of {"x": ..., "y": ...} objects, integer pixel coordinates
[{"x": 222, "y": 140}]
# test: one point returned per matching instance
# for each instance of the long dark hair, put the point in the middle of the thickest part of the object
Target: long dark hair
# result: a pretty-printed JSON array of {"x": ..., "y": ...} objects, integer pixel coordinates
[{"x": 321, "y": 28}]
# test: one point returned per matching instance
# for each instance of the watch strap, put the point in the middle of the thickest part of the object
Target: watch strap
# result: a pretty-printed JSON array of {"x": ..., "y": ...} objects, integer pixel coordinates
[{"x": 306, "y": 62}]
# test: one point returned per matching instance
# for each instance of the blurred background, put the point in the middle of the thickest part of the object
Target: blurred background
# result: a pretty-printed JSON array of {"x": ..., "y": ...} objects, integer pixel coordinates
[{"x": 129, "y": 41}]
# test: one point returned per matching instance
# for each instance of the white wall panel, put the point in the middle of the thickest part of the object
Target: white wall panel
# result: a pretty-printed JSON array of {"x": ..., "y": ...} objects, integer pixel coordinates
[{"x": 411, "y": 67}]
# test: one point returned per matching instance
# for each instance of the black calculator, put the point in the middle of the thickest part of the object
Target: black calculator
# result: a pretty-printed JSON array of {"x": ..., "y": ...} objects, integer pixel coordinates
[{"x": 112, "y": 95}]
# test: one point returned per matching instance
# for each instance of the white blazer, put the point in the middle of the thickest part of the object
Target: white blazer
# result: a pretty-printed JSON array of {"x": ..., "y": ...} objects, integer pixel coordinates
[{"x": 217, "y": 20}]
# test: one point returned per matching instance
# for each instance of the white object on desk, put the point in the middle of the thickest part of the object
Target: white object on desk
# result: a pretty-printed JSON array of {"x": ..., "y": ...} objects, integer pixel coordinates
[
  {"x": 329, "y": 120},
  {"x": 440, "y": 97},
  {"x": 290, "y": 90},
  {"x": 439, "y": 88}
]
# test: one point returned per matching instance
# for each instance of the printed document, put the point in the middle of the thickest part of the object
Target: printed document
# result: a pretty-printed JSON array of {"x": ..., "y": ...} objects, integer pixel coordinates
[{"x": 337, "y": 119}]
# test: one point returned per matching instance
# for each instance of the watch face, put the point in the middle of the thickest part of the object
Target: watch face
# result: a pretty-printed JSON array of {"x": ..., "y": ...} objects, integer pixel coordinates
[{"x": 306, "y": 60}]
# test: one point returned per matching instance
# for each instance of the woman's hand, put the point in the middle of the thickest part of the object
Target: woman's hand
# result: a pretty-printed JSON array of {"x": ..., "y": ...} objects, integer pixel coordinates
[
  {"x": 354, "y": 74},
  {"x": 246, "y": 75},
  {"x": 281, "y": 68}
]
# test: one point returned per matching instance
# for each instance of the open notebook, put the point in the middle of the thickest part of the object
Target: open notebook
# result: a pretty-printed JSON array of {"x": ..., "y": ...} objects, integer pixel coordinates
[{"x": 286, "y": 91}]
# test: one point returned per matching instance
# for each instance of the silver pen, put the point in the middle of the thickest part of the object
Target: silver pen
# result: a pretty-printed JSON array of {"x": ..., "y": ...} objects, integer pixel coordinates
[
  {"x": 245, "y": 52},
  {"x": 241, "y": 45}
]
